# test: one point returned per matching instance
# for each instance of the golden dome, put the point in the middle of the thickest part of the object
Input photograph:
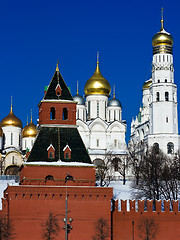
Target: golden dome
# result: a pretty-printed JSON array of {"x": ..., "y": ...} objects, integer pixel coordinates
[
  {"x": 147, "y": 84},
  {"x": 97, "y": 84},
  {"x": 11, "y": 120},
  {"x": 162, "y": 37},
  {"x": 29, "y": 130}
]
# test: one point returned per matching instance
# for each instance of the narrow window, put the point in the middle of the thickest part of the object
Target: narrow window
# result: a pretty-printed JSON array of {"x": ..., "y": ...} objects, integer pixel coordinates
[
  {"x": 11, "y": 138},
  {"x": 165, "y": 80},
  {"x": 13, "y": 160},
  {"x": 31, "y": 142},
  {"x": 166, "y": 96},
  {"x": 156, "y": 148},
  {"x": 65, "y": 114},
  {"x": 115, "y": 142},
  {"x": 167, "y": 58},
  {"x": 157, "y": 97},
  {"x": 67, "y": 155},
  {"x": 89, "y": 108},
  {"x": 97, "y": 143},
  {"x": 51, "y": 155},
  {"x": 170, "y": 148},
  {"x": 167, "y": 119},
  {"x": 158, "y": 80},
  {"x": 163, "y": 59},
  {"x": 114, "y": 114},
  {"x": 97, "y": 109},
  {"x": 52, "y": 113},
  {"x": 159, "y": 58}
]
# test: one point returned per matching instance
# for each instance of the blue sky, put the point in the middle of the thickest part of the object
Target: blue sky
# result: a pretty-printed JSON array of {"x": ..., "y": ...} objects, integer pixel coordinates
[{"x": 35, "y": 34}]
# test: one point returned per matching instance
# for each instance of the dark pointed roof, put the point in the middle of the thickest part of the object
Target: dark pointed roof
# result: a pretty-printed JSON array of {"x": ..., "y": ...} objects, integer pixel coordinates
[
  {"x": 59, "y": 137},
  {"x": 51, "y": 91}
]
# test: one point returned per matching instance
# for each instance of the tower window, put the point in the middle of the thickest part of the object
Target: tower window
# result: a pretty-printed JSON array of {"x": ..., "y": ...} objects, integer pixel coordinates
[
  {"x": 97, "y": 142},
  {"x": 166, "y": 96},
  {"x": 159, "y": 58},
  {"x": 115, "y": 142},
  {"x": 65, "y": 114},
  {"x": 157, "y": 97},
  {"x": 170, "y": 148},
  {"x": 158, "y": 80},
  {"x": 52, "y": 113},
  {"x": 97, "y": 109},
  {"x": 163, "y": 59},
  {"x": 11, "y": 138},
  {"x": 165, "y": 80}
]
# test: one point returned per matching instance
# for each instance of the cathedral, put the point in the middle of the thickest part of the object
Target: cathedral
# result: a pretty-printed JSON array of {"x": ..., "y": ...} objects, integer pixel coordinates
[
  {"x": 157, "y": 121},
  {"x": 99, "y": 119},
  {"x": 15, "y": 142}
]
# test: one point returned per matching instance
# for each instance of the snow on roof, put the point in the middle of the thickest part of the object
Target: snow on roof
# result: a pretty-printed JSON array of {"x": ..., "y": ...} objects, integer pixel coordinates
[{"x": 60, "y": 163}]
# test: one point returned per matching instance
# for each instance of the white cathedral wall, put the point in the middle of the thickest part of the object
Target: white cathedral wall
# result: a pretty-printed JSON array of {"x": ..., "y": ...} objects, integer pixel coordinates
[
  {"x": 16, "y": 137},
  {"x": 27, "y": 142},
  {"x": 98, "y": 138},
  {"x": 94, "y": 101},
  {"x": 13, "y": 158}
]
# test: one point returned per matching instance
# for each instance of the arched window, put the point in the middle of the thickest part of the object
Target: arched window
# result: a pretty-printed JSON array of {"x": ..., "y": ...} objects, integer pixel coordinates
[
  {"x": 65, "y": 114},
  {"x": 170, "y": 148},
  {"x": 49, "y": 177},
  {"x": 157, "y": 96},
  {"x": 166, "y": 96},
  {"x": 165, "y": 80},
  {"x": 158, "y": 80},
  {"x": 51, "y": 155},
  {"x": 156, "y": 147},
  {"x": 52, "y": 113}
]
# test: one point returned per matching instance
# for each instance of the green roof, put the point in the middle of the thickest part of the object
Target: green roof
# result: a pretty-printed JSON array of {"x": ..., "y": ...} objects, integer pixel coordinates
[{"x": 59, "y": 137}]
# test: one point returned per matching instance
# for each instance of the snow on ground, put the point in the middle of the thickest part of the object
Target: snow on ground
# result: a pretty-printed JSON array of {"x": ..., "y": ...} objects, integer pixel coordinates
[
  {"x": 121, "y": 191},
  {"x": 3, "y": 186}
]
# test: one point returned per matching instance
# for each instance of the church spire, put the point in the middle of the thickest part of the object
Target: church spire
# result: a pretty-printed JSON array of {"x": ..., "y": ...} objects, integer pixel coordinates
[
  {"x": 162, "y": 19},
  {"x": 57, "y": 66}
]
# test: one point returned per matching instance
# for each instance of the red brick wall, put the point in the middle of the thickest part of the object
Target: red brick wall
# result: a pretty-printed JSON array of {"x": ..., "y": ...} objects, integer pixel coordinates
[
  {"x": 167, "y": 221},
  {"x": 29, "y": 207},
  {"x": 44, "y": 113},
  {"x": 35, "y": 175}
]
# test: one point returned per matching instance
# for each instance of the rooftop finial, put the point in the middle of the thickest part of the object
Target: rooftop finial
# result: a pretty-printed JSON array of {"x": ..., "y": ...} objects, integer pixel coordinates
[
  {"x": 11, "y": 102},
  {"x": 162, "y": 20},
  {"x": 98, "y": 57},
  {"x": 31, "y": 115},
  {"x": 27, "y": 119},
  {"x": 57, "y": 67},
  {"x": 77, "y": 87},
  {"x": 114, "y": 91}
]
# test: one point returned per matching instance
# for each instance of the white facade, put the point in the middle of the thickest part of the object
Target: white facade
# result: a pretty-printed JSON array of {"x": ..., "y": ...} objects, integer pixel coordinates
[
  {"x": 100, "y": 124},
  {"x": 157, "y": 121}
]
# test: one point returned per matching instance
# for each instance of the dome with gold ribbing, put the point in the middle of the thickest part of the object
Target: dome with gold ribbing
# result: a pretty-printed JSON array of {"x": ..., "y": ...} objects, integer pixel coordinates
[
  {"x": 97, "y": 84},
  {"x": 147, "y": 84},
  {"x": 29, "y": 130},
  {"x": 162, "y": 41},
  {"x": 11, "y": 120}
]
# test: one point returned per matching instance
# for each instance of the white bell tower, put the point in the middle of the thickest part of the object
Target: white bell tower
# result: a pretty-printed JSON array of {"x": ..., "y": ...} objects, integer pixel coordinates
[{"x": 163, "y": 95}]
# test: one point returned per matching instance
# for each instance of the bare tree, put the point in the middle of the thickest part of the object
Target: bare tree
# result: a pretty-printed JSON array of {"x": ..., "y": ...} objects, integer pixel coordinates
[
  {"x": 120, "y": 164},
  {"x": 102, "y": 229},
  {"x": 147, "y": 229},
  {"x": 50, "y": 228},
  {"x": 157, "y": 175},
  {"x": 6, "y": 229}
]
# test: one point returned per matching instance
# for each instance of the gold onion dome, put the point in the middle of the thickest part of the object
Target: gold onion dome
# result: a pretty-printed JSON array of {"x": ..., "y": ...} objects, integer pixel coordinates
[
  {"x": 11, "y": 120},
  {"x": 162, "y": 37},
  {"x": 29, "y": 130},
  {"x": 147, "y": 84},
  {"x": 97, "y": 84}
]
